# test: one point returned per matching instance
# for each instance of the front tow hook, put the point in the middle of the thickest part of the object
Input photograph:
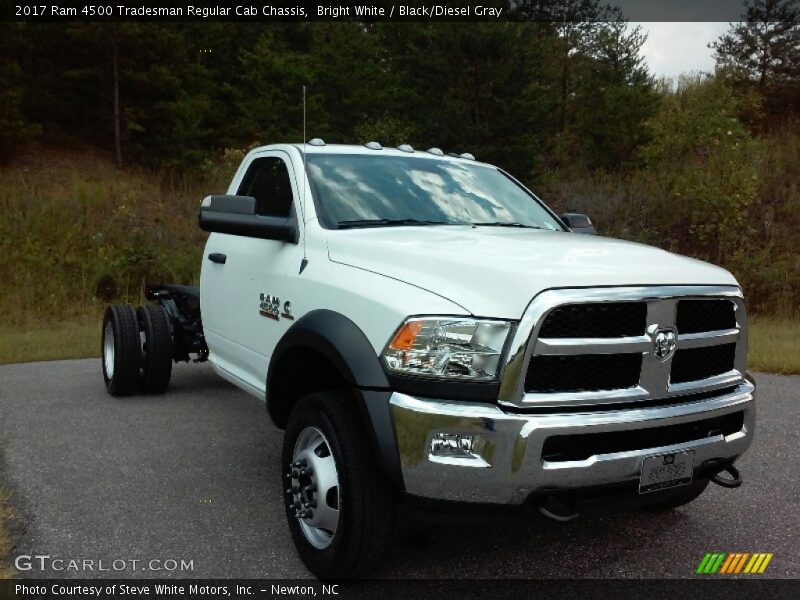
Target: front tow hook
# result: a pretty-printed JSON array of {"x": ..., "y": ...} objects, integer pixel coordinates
[{"x": 735, "y": 479}]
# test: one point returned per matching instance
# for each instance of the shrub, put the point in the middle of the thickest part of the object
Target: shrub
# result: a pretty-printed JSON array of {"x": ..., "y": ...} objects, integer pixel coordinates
[{"x": 704, "y": 168}]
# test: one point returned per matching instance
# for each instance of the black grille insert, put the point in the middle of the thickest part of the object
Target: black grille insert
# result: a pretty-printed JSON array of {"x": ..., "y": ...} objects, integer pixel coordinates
[
  {"x": 595, "y": 320},
  {"x": 582, "y": 446},
  {"x": 696, "y": 316},
  {"x": 700, "y": 363},
  {"x": 582, "y": 373}
]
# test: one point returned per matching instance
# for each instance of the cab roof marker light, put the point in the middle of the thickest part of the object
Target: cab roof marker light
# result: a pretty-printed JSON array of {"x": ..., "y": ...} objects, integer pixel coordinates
[
  {"x": 436, "y": 151},
  {"x": 374, "y": 146},
  {"x": 316, "y": 142},
  {"x": 405, "y": 148},
  {"x": 467, "y": 156}
]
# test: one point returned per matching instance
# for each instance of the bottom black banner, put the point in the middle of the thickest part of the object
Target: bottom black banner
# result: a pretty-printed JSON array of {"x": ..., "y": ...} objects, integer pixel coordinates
[{"x": 437, "y": 589}]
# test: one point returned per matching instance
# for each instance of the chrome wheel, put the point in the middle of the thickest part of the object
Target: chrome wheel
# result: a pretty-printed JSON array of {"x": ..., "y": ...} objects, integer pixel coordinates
[
  {"x": 314, "y": 487},
  {"x": 108, "y": 350}
]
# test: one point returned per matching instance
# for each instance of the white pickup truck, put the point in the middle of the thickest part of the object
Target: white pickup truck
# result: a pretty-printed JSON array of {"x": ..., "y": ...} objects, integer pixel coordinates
[{"x": 426, "y": 331}]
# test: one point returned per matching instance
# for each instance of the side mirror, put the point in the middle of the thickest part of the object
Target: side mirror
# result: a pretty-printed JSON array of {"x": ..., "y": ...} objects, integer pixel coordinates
[
  {"x": 579, "y": 223},
  {"x": 236, "y": 215}
]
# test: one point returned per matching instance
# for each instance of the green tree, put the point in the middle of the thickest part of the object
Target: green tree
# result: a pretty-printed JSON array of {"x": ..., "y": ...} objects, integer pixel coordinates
[
  {"x": 704, "y": 167},
  {"x": 350, "y": 81},
  {"x": 268, "y": 92},
  {"x": 765, "y": 47},
  {"x": 614, "y": 96},
  {"x": 15, "y": 129},
  {"x": 470, "y": 88},
  {"x": 763, "y": 51}
]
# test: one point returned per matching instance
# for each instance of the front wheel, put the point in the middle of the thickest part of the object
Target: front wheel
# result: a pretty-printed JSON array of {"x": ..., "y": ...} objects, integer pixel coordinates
[{"x": 339, "y": 506}]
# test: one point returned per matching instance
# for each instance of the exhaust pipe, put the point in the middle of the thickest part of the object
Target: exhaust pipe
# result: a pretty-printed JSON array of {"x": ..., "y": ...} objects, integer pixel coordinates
[{"x": 557, "y": 509}]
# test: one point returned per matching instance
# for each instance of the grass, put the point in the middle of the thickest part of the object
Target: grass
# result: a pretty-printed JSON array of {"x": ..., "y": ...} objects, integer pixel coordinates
[
  {"x": 775, "y": 345},
  {"x": 50, "y": 341},
  {"x": 77, "y": 232},
  {"x": 6, "y": 572}
]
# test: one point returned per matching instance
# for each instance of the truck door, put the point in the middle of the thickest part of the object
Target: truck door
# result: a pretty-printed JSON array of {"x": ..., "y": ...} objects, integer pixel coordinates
[{"x": 244, "y": 297}]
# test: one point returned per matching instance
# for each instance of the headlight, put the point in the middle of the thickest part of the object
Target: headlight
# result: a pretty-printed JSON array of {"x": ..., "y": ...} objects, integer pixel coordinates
[{"x": 448, "y": 347}]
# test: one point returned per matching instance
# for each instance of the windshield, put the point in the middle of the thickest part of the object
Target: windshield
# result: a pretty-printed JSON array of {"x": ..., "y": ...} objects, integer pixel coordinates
[{"x": 355, "y": 190}]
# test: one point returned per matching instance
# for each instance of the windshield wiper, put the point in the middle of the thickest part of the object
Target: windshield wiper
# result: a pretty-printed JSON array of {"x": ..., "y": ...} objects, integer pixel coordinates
[
  {"x": 389, "y": 222},
  {"x": 506, "y": 224}
]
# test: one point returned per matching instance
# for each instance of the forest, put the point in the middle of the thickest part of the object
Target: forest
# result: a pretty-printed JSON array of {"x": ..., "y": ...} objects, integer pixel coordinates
[{"x": 110, "y": 134}]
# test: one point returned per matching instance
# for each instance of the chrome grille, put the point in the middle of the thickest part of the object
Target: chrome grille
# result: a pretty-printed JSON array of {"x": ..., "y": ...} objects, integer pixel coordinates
[
  {"x": 597, "y": 319},
  {"x": 695, "y": 364},
  {"x": 617, "y": 360},
  {"x": 695, "y": 316},
  {"x": 582, "y": 372}
]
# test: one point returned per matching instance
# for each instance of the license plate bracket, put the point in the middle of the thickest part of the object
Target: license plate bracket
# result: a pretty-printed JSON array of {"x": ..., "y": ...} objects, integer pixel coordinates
[{"x": 664, "y": 471}]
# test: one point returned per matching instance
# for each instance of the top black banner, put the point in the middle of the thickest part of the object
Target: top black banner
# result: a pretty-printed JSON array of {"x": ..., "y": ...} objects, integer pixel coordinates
[{"x": 33, "y": 11}]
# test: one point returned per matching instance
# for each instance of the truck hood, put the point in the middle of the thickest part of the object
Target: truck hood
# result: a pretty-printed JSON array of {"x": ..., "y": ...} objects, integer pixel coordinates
[{"x": 495, "y": 272}]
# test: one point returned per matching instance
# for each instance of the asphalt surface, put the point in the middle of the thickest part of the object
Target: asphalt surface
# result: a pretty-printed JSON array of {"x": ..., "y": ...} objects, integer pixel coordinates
[{"x": 194, "y": 475}]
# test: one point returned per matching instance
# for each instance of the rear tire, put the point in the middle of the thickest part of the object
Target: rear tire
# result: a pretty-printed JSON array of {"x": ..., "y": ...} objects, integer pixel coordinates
[
  {"x": 350, "y": 542},
  {"x": 680, "y": 499},
  {"x": 120, "y": 350},
  {"x": 156, "y": 348}
]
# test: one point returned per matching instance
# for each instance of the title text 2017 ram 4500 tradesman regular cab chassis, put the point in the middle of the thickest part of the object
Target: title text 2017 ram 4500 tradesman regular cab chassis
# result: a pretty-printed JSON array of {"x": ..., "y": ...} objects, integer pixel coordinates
[{"x": 424, "y": 328}]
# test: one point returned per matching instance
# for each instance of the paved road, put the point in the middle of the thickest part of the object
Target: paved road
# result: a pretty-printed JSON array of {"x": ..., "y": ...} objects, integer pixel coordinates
[{"x": 194, "y": 475}]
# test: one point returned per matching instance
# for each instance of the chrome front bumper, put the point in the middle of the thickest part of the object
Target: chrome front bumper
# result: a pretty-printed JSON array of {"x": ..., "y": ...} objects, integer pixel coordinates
[{"x": 506, "y": 465}]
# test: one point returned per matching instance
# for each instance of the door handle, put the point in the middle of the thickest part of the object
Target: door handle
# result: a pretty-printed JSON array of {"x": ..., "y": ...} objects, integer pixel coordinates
[{"x": 218, "y": 258}]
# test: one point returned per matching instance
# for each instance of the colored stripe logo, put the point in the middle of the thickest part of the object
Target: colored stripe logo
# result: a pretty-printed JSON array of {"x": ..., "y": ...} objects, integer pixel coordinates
[{"x": 733, "y": 563}]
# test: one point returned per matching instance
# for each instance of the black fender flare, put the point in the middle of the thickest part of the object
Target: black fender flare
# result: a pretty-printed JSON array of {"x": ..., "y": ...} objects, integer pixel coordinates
[
  {"x": 338, "y": 339},
  {"x": 347, "y": 348}
]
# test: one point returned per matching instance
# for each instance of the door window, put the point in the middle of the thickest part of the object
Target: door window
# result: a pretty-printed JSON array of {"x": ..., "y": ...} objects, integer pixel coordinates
[{"x": 267, "y": 180}]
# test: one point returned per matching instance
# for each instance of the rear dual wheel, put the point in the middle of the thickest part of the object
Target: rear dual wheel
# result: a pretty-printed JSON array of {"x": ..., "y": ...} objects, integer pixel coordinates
[
  {"x": 136, "y": 349},
  {"x": 121, "y": 350},
  {"x": 156, "y": 365}
]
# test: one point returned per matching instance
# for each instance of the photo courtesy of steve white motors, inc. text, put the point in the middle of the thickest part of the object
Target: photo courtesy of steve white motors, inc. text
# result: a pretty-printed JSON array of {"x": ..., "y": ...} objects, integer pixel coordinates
[{"x": 235, "y": 590}]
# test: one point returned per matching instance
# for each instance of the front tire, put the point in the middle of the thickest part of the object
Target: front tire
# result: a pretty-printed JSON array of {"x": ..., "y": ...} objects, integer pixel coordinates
[
  {"x": 339, "y": 506},
  {"x": 120, "y": 350}
]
